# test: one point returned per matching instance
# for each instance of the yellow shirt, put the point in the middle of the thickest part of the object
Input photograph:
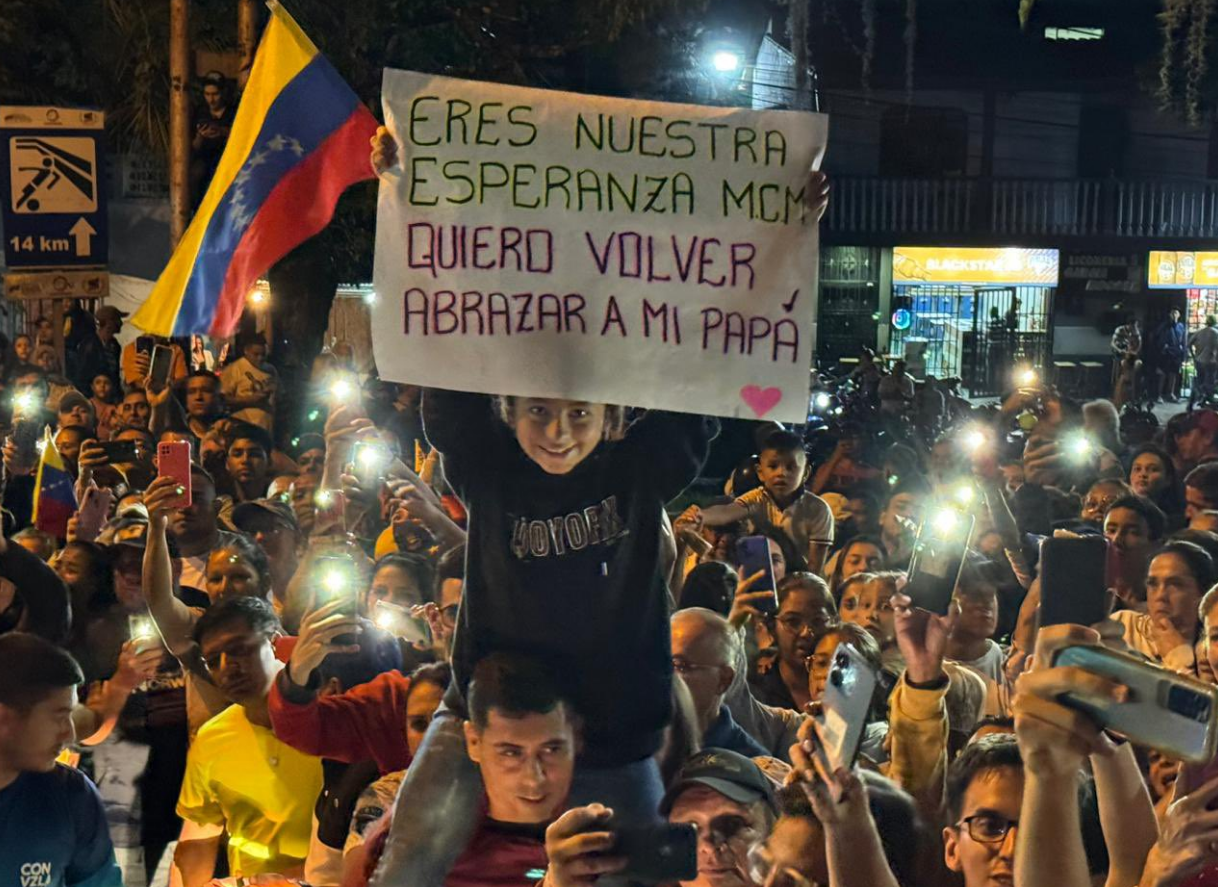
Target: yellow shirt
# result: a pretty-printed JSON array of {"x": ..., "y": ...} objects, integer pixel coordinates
[{"x": 260, "y": 789}]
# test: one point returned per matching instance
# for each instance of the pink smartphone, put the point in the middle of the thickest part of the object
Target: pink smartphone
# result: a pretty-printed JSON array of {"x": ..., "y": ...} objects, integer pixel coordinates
[
  {"x": 173, "y": 460},
  {"x": 92, "y": 513}
]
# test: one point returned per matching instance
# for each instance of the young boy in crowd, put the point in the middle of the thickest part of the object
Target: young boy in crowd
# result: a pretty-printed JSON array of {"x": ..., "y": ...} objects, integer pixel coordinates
[
  {"x": 53, "y": 830},
  {"x": 782, "y": 501}
]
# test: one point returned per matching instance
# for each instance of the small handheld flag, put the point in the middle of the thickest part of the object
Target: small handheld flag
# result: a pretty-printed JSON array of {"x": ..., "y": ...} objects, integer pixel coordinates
[
  {"x": 299, "y": 140},
  {"x": 54, "y": 491}
]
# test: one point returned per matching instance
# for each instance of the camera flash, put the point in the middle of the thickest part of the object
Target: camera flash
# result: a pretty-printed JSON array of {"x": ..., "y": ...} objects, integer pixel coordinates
[
  {"x": 341, "y": 389},
  {"x": 965, "y": 494},
  {"x": 334, "y": 581},
  {"x": 1027, "y": 377},
  {"x": 974, "y": 440},
  {"x": 822, "y": 401},
  {"x": 946, "y": 521}
]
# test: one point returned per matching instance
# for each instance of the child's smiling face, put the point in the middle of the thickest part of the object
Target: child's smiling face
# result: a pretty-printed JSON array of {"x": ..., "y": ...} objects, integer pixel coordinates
[{"x": 558, "y": 434}]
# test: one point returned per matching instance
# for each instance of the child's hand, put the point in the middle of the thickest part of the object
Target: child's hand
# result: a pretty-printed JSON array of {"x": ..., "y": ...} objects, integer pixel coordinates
[
  {"x": 384, "y": 151},
  {"x": 746, "y": 603}
]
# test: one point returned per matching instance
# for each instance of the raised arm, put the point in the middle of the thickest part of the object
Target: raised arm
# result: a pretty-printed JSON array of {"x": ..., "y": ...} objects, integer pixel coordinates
[{"x": 174, "y": 619}]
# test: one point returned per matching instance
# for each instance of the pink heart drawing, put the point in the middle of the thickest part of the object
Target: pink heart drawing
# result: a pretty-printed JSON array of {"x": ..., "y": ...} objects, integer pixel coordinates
[{"x": 760, "y": 400}]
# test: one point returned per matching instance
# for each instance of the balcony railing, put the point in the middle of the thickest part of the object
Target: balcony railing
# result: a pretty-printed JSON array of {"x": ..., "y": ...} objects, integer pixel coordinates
[{"x": 979, "y": 207}]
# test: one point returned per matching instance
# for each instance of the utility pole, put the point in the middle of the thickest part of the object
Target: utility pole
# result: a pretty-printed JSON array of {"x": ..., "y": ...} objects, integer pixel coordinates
[
  {"x": 247, "y": 27},
  {"x": 179, "y": 118}
]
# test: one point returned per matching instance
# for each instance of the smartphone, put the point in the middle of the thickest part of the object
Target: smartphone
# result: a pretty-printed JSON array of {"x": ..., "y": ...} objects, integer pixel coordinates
[
  {"x": 26, "y": 434},
  {"x": 938, "y": 557},
  {"x": 142, "y": 630},
  {"x": 844, "y": 708},
  {"x": 144, "y": 344},
  {"x": 92, "y": 513},
  {"x": 1173, "y": 713},
  {"x": 173, "y": 460},
  {"x": 1074, "y": 581},
  {"x": 753, "y": 555},
  {"x": 371, "y": 459},
  {"x": 398, "y": 621},
  {"x": 337, "y": 579},
  {"x": 120, "y": 451},
  {"x": 160, "y": 367},
  {"x": 657, "y": 854}
]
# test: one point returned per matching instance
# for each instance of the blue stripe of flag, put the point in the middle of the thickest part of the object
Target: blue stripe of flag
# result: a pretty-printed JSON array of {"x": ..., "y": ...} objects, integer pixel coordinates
[{"x": 315, "y": 103}]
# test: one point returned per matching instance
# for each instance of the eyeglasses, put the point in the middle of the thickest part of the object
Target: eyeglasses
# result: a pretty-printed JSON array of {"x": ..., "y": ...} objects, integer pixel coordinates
[
  {"x": 987, "y": 828},
  {"x": 797, "y": 624},
  {"x": 684, "y": 666},
  {"x": 764, "y": 871}
]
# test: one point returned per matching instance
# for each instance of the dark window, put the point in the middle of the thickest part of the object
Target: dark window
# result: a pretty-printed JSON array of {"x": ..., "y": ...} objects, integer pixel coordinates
[{"x": 923, "y": 142}]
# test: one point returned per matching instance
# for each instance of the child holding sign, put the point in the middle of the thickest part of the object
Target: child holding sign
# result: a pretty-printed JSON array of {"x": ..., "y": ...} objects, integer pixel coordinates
[{"x": 565, "y": 509}]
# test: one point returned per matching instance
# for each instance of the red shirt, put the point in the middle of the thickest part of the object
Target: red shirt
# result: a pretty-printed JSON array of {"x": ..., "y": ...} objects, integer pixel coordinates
[{"x": 368, "y": 722}]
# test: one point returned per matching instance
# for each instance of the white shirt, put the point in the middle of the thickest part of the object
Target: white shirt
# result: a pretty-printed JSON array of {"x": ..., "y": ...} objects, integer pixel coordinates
[{"x": 806, "y": 520}]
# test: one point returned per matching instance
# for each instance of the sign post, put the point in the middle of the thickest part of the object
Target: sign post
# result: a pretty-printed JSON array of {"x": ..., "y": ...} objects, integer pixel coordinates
[{"x": 53, "y": 199}]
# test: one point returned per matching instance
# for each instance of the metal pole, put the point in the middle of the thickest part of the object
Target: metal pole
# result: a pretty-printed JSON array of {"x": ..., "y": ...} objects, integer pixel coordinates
[{"x": 179, "y": 117}]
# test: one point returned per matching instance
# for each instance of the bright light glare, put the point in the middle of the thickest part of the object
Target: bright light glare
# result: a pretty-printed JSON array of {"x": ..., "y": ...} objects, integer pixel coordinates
[
  {"x": 41, "y": 445},
  {"x": 341, "y": 389},
  {"x": 1080, "y": 447},
  {"x": 974, "y": 440},
  {"x": 965, "y": 494},
  {"x": 24, "y": 401},
  {"x": 1027, "y": 377},
  {"x": 822, "y": 401},
  {"x": 141, "y": 628},
  {"x": 257, "y": 297},
  {"x": 369, "y": 298},
  {"x": 372, "y": 458},
  {"x": 335, "y": 581},
  {"x": 324, "y": 498},
  {"x": 946, "y": 521},
  {"x": 384, "y": 620},
  {"x": 725, "y": 61}
]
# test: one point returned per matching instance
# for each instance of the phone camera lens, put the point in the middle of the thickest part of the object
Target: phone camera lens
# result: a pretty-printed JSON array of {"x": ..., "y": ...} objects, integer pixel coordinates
[
  {"x": 842, "y": 661},
  {"x": 835, "y": 677}
]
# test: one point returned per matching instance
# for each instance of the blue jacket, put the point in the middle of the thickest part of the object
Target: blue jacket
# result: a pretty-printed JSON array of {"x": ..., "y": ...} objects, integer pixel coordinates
[{"x": 726, "y": 733}]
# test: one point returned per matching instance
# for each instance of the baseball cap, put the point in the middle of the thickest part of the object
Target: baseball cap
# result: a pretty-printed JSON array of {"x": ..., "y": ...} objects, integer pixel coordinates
[
  {"x": 277, "y": 508},
  {"x": 71, "y": 399},
  {"x": 730, "y": 774},
  {"x": 130, "y": 529}
]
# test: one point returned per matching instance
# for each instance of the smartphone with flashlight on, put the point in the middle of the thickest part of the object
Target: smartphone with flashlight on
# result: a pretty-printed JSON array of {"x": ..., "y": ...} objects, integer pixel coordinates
[
  {"x": 337, "y": 579},
  {"x": 371, "y": 459},
  {"x": 398, "y": 621},
  {"x": 938, "y": 558},
  {"x": 143, "y": 632}
]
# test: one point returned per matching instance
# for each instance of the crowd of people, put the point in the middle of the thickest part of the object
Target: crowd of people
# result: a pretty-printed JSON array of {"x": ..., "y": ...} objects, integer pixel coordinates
[{"x": 457, "y": 639}]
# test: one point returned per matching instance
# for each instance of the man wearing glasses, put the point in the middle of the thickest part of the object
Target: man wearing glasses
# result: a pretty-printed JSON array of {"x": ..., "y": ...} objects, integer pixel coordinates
[
  {"x": 984, "y": 793},
  {"x": 240, "y": 779},
  {"x": 704, "y": 648}
]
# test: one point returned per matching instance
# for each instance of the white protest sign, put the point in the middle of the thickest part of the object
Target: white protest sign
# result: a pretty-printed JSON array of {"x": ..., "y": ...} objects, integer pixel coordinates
[{"x": 550, "y": 244}]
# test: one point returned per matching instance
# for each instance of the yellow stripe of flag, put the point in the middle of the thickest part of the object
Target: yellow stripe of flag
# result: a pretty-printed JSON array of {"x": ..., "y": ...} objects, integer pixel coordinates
[{"x": 282, "y": 54}]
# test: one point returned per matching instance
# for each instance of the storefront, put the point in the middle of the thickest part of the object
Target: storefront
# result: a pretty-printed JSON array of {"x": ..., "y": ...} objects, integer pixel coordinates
[
  {"x": 972, "y": 313},
  {"x": 1193, "y": 275}
]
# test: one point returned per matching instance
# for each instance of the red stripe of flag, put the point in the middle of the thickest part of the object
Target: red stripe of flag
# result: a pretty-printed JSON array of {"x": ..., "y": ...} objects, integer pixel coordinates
[{"x": 296, "y": 209}]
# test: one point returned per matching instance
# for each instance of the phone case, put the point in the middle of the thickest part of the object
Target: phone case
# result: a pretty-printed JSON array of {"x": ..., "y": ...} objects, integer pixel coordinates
[
  {"x": 658, "y": 854},
  {"x": 845, "y": 706},
  {"x": 1173, "y": 713},
  {"x": 160, "y": 367},
  {"x": 1073, "y": 581},
  {"x": 92, "y": 513},
  {"x": 173, "y": 460},
  {"x": 753, "y": 553},
  {"x": 938, "y": 557}
]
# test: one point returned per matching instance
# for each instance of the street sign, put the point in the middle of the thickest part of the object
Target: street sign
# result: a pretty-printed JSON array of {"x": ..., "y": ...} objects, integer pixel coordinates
[
  {"x": 56, "y": 285},
  {"x": 52, "y": 187}
]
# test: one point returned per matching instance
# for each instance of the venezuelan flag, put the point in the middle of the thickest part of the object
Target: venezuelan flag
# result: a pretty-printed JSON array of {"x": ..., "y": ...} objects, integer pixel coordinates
[
  {"x": 54, "y": 491},
  {"x": 300, "y": 138}
]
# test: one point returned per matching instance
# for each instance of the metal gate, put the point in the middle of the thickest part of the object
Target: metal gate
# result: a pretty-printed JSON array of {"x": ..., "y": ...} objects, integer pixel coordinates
[
  {"x": 847, "y": 314},
  {"x": 976, "y": 334}
]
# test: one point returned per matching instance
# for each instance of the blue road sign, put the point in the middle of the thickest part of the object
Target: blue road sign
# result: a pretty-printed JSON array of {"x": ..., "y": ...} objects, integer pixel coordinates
[{"x": 52, "y": 187}]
